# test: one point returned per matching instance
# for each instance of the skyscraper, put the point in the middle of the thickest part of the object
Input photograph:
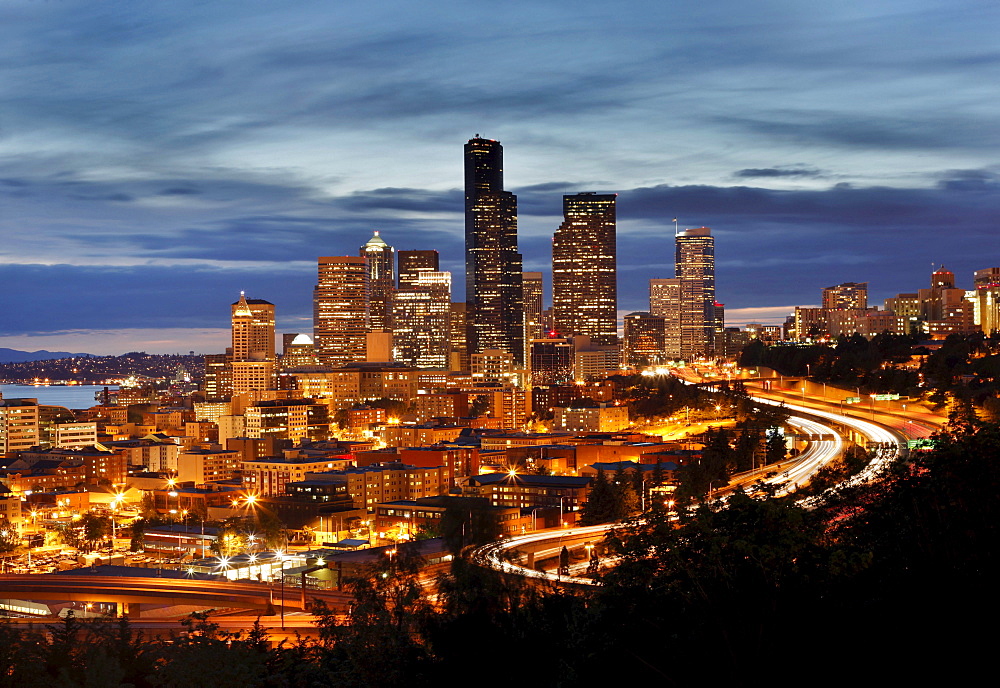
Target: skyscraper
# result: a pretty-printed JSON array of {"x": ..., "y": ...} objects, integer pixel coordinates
[
  {"x": 532, "y": 289},
  {"x": 253, "y": 329},
  {"x": 340, "y": 310},
  {"x": 252, "y": 362},
  {"x": 492, "y": 263},
  {"x": 412, "y": 263},
  {"x": 584, "y": 269},
  {"x": 665, "y": 302},
  {"x": 695, "y": 268},
  {"x": 381, "y": 281},
  {"x": 423, "y": 321}
]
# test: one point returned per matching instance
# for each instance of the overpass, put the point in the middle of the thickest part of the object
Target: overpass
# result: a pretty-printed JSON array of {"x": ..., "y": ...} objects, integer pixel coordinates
[{"x": 128, "y": 592}]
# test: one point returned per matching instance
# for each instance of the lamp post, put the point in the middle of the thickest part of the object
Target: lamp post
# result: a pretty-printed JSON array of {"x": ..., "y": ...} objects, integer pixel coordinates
[{"x": 281, "y": 560}]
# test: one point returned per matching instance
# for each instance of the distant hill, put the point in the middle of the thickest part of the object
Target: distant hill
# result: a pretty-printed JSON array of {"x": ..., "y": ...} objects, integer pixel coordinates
[
  {"x": 89, "y": 368},
  {"x": 15, "y": 356}
]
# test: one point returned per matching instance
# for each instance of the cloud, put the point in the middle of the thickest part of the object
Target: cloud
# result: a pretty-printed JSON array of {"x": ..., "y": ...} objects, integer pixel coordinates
[{"x": 776, "y": 172}]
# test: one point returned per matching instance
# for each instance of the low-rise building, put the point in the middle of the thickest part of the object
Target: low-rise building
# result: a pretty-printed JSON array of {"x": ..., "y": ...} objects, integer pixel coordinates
[
  {"x": 591, "y": 418},
  {"x": 568, "y": 493}
]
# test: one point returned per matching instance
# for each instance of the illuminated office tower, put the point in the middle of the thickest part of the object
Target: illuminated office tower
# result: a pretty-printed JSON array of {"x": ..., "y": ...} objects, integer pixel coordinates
[
  {"x": 493, "y": 292},
  {"x": 422, "y": 317},
  {"x": 381, "y": 281},
  {"x": 412, "y": 263},
  {"x": 695, "y": 268},
  {"x": 253, "y": 329},
  {"x": 665, "y": 302},
  {"x": 252, "y": 362},
  {"x": 340, "y": 310},
  {"x": 584, "y": 269},
  {"x": 643, "y": 345},
  {"x": 532, "y": 289}
]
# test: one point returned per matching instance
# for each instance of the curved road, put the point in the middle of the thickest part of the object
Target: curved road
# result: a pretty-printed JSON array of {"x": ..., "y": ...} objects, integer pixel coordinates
[{"x": 503, "y": 556}]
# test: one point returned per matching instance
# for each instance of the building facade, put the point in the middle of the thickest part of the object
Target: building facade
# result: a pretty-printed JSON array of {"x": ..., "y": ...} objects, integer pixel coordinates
[
  {"x": 584, "y": 269},
  {"x": 422, "y": 317},
  {"x": 695, "y": 268},
  {"x": 665, "y": 302},
  {"x": 412, "y": 263},
  {"x": 493, "y": 292},
  {"x": 381, "y": 261},
  {"x": 340, "y": 310}
]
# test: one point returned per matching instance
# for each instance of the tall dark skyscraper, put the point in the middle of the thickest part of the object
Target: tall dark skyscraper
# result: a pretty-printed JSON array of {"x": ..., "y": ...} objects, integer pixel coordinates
[
  {"x": 584, "y": 269},
  {"x": 381, "y": 281},
  {"x": 492, "y": 263},
  {"x": 695, "y": 268}
]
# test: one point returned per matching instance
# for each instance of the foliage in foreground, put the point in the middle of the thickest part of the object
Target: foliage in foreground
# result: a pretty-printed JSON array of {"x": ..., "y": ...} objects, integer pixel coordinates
[{"x": 891, "y": 582}]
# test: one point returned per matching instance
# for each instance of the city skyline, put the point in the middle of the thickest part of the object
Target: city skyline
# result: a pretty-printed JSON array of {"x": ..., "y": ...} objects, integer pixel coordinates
[{"x": 169, "y": 155}]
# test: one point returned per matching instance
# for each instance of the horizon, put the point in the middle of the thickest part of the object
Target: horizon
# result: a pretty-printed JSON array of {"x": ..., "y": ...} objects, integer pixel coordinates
[{"x": 159, "y": 160}]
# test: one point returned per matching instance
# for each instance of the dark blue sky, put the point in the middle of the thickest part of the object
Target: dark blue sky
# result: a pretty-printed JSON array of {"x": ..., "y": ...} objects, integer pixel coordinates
[{"x": 156, "y": 158}]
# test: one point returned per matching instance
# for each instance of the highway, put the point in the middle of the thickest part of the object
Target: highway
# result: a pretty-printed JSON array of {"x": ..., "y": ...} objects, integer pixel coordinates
[{"x": 884, "y": 445}]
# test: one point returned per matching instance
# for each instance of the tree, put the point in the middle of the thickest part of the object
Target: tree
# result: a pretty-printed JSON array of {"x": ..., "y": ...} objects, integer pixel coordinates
[
  {"x": 601, "y": 503},
  {"x": 10, "y": 540},
  {"x": 774, "y": 447},
  {"x": 480, "y": 406},
  {"x": 380, "y": 646},
  {"x": 468, "y": 521},
  {"x": 147, "y": 507},
  {"x": 95, "y": 528}
]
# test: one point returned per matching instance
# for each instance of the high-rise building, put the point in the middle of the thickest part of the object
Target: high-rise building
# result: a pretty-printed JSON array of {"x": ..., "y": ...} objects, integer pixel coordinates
[
  {"x": 218, "y": 382},
  {"x": 584, "y": 269},
  {"x": 643, "y": 340},
  {"x": 253, "y": 329},
  {"x": 532, "y": 289},
  {"x": 493, "y": 293},
  {"x": 19, "y": 430},
  {"x": 552, "y": 361},
  {"x": 695, "y": 268},
  {"x": 412, "y": 263},
  {"x": 340, "y": 310},
  {"x": 253, "y": 357},
  {"x": 422, "y": 316},
  {"x": 381, "y": 281},
  {"x": 665, "y": 302}
]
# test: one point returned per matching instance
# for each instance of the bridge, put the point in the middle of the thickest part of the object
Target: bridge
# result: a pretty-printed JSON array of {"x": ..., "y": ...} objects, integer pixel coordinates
[{"x": 129, "y": 592}]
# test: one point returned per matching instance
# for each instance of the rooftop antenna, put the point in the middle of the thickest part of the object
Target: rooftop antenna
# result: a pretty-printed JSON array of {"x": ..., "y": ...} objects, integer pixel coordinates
[{"x": 676, "y": 232}]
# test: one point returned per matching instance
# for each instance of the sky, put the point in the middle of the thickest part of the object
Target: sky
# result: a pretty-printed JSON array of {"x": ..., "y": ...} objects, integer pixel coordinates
[{"x": 157, "y": 158}]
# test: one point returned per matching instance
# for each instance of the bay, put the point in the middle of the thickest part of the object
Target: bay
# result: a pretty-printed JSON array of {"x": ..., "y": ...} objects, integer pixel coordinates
[{"x": 70, "y": 396}]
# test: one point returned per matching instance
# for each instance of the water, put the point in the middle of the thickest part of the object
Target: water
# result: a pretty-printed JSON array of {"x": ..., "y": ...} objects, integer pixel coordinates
[{"x": 74, "y": 397}]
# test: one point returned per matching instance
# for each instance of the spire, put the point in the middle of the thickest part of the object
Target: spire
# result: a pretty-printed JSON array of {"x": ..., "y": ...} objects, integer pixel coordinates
[
  {"x": 375, "y": 242},
  {"x": 242, "y": 307}
]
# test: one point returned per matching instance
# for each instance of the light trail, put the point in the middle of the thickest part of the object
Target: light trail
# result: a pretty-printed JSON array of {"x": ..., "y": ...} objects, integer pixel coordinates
[
  {"x": 497, "y": 555},
  {"x": 887, "y": 446}
]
